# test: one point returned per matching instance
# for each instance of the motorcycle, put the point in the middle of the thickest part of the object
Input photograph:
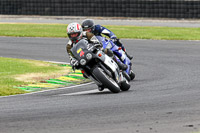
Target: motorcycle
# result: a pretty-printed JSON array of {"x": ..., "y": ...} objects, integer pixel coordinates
[
  {"x": 98, "y": 66},
  {"x": 121, "y": 56}
]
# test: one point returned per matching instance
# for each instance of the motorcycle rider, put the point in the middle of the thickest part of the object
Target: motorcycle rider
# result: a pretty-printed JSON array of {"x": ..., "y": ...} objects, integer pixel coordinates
[
  {"x": 97, "y": 30},
  {"x": 76, "y": 33}
]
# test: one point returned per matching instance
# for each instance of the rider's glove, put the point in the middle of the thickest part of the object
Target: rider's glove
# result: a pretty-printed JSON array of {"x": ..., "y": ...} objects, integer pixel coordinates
[
  {"x": 72, "y": 62},
  {"x": 114, "y": 39}
]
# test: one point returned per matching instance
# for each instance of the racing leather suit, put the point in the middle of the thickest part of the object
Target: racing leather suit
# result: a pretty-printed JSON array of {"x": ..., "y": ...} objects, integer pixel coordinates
[{"x": 98, "y": 30}]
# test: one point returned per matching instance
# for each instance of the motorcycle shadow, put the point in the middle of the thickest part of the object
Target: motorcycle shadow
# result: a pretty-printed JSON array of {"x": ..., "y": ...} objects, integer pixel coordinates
[{"x": 106, "y": 92}]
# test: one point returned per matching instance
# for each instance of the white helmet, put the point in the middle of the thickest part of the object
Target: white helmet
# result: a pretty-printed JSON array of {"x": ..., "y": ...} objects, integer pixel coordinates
[{"x": 72, "y": 29}]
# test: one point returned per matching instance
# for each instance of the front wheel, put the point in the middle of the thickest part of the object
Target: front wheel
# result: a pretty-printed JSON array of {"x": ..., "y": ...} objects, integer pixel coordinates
[
  {"x": 126, "y": 76},
  {"x": 107, "y": 81}
]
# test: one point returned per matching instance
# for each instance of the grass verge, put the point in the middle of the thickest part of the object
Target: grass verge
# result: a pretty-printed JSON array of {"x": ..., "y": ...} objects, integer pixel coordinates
[
  {"x": 15, "y": 72},
  {"x": 135, "y": 32}
]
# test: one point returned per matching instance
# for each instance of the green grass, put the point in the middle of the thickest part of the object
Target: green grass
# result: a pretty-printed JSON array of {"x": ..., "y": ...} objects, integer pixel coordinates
[
  {"x": 135, "y": 32},
  {"x": 10, "y": 68},
  {"x": 157, "y": 33},
  {"x": 33, "y": 30}
]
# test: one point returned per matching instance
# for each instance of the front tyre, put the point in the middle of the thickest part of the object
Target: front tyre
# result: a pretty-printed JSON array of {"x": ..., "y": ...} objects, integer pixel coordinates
[
  {"x": 107, "y": 81},
  {"x": 126, "y": 76}
]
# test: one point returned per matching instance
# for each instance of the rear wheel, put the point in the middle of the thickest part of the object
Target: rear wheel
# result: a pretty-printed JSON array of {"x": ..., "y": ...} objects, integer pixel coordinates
[
  {"x": 125, "y": 86},
  {"x": 107, "y": 81}
]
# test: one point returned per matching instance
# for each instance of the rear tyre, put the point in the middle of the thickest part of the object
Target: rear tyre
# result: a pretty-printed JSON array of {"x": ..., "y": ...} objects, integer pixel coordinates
[
  {"x": 125, "y": 86},
  {"x": 107, "y": 81}
]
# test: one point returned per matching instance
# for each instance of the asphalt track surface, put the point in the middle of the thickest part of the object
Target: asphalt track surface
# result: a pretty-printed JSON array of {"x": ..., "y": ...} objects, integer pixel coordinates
[{"x": 164, "y": 97}]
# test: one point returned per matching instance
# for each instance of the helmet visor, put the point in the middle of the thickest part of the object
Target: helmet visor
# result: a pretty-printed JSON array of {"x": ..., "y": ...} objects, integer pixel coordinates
[
  {"x": 87, "y": 29},
  {"x": 73, "y": 35}
]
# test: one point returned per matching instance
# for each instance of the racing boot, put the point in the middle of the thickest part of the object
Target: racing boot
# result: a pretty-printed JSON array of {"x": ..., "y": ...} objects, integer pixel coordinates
[
  {"x": 85, "y": 76},
  {"x": 119, "y": 43},
  {"x": 129, "y": 56},
  {"x": 100, "y": 88}
]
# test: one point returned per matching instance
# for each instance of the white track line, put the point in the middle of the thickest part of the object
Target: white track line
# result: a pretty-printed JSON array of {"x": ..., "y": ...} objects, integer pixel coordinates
[
  {"x": 50, "y": 89},
  {"x": 58, "y": 62},
  {"x": 80, "y": 93}
]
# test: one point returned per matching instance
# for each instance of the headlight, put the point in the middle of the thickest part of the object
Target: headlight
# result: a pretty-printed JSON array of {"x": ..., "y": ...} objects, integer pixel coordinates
[
  {"x": 82, "y": 62},
  {"x": 89, "y": 56},
  {"x": 109, "y": 46}
]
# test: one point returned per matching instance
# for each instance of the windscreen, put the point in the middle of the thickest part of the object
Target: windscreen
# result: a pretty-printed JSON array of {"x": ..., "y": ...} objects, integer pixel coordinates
[{"x": 79, "y": 47}]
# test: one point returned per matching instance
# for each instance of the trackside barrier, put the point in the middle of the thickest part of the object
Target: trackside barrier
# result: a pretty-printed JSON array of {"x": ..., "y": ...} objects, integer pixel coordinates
[{"x": 108, "y": 8}]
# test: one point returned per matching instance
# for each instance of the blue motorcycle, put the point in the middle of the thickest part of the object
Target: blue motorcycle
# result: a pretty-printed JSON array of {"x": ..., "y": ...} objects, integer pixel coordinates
[{"x": 120, "y": 55}]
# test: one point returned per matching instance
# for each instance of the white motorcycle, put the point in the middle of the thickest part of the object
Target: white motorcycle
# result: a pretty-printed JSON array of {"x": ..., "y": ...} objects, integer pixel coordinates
[{"x": 98, "y": 66}]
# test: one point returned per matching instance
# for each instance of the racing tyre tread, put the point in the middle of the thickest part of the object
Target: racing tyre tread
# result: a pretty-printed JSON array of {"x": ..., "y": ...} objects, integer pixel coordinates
[
  {"x": 103, "y": 78},
  {"x": 125, "y": 86}
]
